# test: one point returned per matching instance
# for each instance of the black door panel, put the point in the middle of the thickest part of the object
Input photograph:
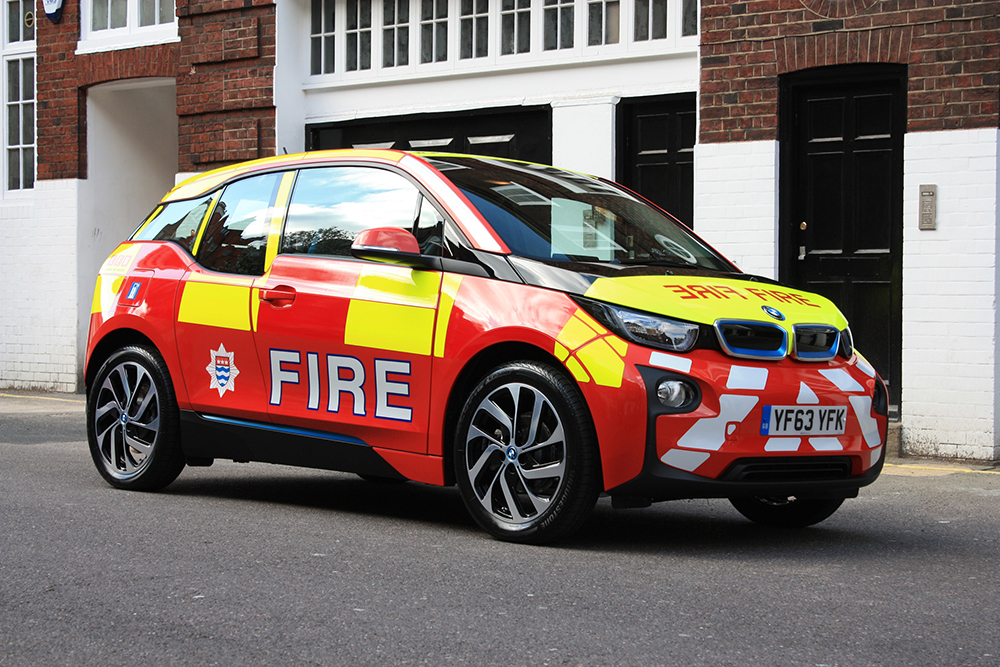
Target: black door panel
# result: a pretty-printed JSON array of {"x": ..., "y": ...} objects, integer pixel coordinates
[
  {"x": 841, "y": 226},
  {"x": 656, "y": 138}
]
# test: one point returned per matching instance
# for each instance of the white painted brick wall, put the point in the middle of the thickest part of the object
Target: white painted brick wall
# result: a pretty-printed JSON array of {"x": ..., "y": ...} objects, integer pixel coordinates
[
  {"x": 951, "y": 390},
  {"x": 736, "y": 202},
  {"x": 950, "y": 324},
  {"x": 38, "y": 326}
]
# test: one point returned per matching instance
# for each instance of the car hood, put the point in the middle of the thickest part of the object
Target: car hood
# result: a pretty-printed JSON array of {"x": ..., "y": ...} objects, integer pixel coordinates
[{"x": 707, "y": 299}]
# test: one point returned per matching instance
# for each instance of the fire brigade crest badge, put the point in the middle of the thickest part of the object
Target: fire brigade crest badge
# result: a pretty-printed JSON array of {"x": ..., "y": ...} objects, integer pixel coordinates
[{"x": 222, "y": 370}]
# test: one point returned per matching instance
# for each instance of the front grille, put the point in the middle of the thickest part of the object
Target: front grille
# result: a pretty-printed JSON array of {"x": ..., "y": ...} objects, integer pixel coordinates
[
  {"x": 815, "y": 342},
  {"x": 752, "y": 340},
  {"x": 789, "y": 469}
]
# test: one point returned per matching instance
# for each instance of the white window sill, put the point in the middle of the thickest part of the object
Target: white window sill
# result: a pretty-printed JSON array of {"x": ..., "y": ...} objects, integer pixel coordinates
[
  {"x": 15, "y": 198},
  {"x": 549, "y": 60},
  {"x": 127, "y": 40}
]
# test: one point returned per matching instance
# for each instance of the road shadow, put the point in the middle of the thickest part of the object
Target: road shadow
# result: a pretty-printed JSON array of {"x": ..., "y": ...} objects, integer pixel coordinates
[
  {"x": 709, "y": 528},
  {"x": 332, "y": 491}
]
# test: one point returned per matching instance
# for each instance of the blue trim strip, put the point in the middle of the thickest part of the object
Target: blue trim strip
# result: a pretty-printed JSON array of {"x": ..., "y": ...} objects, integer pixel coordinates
[
  {"x": 335, "y": 437},
  {"x": 744, "y": 353}
]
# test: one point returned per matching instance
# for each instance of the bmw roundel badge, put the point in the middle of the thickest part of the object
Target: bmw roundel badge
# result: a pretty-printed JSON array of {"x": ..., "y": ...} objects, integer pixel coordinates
[{"x": 773, "y": 312}]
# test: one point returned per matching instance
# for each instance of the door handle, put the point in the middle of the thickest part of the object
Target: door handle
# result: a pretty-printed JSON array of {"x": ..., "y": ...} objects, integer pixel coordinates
[
  {"x": 802, "y": 252},
  {"x": 278, "y": 294}
]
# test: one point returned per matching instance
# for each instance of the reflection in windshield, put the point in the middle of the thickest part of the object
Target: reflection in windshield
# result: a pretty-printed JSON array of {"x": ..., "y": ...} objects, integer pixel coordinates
[{"x": 550, "y": 214}]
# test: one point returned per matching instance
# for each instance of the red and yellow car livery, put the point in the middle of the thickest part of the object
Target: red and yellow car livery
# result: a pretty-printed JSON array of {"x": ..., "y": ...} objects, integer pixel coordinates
[{"x": 533, "y": 335}]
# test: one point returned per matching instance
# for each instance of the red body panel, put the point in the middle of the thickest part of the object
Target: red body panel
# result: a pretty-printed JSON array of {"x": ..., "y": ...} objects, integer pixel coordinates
[
  {"x": 158, "y": 267},
  {"x": 313, "y": 328},
  {"x": 724, "y": 439}
]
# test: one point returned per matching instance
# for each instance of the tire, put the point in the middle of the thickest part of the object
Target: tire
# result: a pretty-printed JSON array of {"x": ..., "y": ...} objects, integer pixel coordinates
[
  {"x": 786, "y": 511},
  {"x": 542, "y": 484},
  {"x": 132, "y": 421}
]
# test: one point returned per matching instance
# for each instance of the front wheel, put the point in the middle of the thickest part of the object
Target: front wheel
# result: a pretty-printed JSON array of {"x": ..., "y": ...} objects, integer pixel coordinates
[
  {"x": 786, "y": 511},
  {"x": 132, "y": 421},
  {"x": 526, "y": 458}
]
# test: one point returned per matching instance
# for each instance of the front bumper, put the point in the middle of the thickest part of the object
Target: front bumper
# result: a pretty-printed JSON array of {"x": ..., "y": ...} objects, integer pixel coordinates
[
  {"x": 659, "y": 481},
  {"x": 716, "y": 450}
]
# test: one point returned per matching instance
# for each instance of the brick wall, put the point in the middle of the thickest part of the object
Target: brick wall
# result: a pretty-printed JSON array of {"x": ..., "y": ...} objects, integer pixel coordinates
[
  {"x": 225, "y": 82},
  {"x": 62, "y": 78},
  {"x": 952, "y": 49},
  {"x": 223, "y": 67}
]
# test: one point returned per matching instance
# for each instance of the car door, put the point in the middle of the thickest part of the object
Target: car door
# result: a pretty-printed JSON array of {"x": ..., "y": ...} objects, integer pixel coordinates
[
  {"x": 214, "y": 317},
  {"x": 345, "y": 344}
]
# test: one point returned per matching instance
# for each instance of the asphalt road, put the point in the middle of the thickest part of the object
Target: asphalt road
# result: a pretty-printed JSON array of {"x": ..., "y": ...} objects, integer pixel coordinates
[{"x": 251, "y": 564}]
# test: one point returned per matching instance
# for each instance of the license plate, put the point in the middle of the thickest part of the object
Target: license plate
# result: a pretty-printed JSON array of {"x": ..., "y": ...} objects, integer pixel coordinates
[{"x": 803, "y": 420}]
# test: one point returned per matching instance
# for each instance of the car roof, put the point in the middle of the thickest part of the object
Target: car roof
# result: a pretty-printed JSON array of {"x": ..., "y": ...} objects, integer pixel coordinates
[{"x": 202, "y": 183}]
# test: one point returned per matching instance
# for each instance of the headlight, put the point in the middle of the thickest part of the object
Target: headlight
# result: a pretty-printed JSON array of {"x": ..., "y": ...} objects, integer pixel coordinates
[
  {"x": 846, "y": 344},
  {"x": 642, "y": 327}
]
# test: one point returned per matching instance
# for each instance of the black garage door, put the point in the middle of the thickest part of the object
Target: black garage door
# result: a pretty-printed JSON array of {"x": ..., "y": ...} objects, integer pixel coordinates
[{"x": 521, "y": 133}]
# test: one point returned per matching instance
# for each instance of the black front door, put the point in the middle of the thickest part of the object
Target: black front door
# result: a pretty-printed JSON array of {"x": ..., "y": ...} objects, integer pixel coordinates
[
  {"x": 522, "y": 133},
  {"x": 842, "y": 195},
  {"x": 656, "y": 138}
]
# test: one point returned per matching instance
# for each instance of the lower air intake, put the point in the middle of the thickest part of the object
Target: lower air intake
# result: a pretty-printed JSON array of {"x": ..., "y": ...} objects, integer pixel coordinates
[{"x": 789, "y": 469}]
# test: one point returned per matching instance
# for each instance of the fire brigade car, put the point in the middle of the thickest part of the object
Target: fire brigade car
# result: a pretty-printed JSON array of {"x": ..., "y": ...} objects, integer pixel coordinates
[{"x": 533, "y": 335}]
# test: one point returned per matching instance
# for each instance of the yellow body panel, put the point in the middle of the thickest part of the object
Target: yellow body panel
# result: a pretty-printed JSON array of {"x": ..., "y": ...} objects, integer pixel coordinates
[
  {"x": 398, "y": 284},
  {"x": 95, "y": 304},
  {"x": 576, "y": 332},
  {"x": 216, "y": 305},
  {"x": 590, "y": 351},
  {"x": 389, "y": 326},
  {"x": 603, "y": 362},
  {"x": 449, "y": 291},
  {"x": 278, "y": 218},
  {"x": 393, "y": 309}
]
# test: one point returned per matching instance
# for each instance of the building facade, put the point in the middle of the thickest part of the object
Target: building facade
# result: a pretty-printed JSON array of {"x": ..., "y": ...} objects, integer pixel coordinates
[{"x": 795, "y": 135}]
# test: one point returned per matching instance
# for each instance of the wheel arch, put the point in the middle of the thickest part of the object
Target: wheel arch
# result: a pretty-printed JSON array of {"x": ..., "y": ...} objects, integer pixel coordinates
[
  {"x": 114, "y": 340},
  {"x": 477, "y": 367}
]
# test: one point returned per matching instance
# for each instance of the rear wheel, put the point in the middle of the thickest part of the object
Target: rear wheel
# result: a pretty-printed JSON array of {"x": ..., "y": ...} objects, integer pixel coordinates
[
  {"x": 526, "y": 458},
  {"x": 786, "y": 511},
  {"x": 132, "y": 421}
]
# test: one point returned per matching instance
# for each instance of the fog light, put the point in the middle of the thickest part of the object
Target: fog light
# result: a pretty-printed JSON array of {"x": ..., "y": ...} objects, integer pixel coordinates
[{"x": 674, "y": 393}]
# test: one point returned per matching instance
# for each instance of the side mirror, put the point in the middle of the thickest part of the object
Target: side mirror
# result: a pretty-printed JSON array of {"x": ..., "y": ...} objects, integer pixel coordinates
[{"x": 392, "y": 245}]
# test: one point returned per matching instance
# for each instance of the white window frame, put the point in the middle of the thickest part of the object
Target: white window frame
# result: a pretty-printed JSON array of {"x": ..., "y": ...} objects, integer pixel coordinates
[
  {"x": 17, "y": 51},
  {"x": 494, "y": 61},
  {"x": 131, "y": 36}
]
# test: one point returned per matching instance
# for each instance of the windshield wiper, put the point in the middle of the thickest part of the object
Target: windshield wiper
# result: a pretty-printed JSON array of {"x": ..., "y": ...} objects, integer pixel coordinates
[{"x": 657, "y": 261}]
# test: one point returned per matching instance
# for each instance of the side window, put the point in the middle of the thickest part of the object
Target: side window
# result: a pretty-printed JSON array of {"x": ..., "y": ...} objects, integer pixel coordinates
[
  {"x": 331, "y": 205},
  {"x": 429, "y": 229},
  {"x": 177, "y": 221},
  {"x": 235, "y": 240}
]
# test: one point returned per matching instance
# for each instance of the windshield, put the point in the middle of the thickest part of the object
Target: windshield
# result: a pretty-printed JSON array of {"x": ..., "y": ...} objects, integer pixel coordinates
[{"x": 554, "y": 215}]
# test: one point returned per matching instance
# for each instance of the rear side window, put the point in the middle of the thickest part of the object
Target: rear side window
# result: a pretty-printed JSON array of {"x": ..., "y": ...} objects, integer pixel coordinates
[
  {"x": 177, "y": 221},
  {"x": 235, "y": 240},
  {"x": 331, "y": 205}
]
